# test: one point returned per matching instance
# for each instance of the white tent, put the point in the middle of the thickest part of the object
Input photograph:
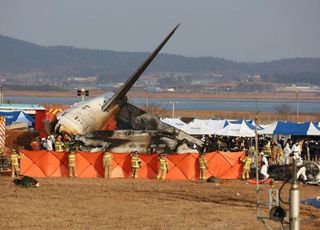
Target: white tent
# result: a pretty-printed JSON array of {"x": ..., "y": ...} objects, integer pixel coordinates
[
  {"x": 268, "y": 129},
  {"x": 313, "y": 130},
  {"x": 174, "y": 122},
  {"x": 198, "y": 127},
  {"x": 216, "y": 125},
  {"x": 236, "y": 130},
  {"x": 242, "y": 128}
]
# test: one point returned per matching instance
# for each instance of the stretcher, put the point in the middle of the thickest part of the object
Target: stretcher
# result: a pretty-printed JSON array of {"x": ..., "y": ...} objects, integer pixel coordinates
[{"x": 264, "y": 181}]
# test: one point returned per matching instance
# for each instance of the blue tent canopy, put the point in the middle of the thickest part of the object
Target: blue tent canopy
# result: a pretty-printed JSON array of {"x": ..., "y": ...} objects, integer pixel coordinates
[
  {"x": 235, "y": 121},
  {"x": 18, "y": 117},
  {"x": 290, "y": 128}
]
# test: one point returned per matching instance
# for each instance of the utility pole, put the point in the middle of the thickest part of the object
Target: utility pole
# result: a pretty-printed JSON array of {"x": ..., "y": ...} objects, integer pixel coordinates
[
  {"x": 297, "y": 100},
  {"x": 256, "y": 156},
  {"x": 147, "y": 99},
  {"x": 294, "y": 200}
]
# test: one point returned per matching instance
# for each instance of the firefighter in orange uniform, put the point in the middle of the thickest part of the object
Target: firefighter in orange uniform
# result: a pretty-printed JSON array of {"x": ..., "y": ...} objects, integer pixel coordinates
[
  {"x": 247, "y": 161},
  {"x": 107, "y": 164},
  {"x": 72, "y": 163},
  {"x": 58, "y": 144},
  {"x": 135, "y": 164},
  {"x": 203, "y": 166},
  {"x": 15, "y": 168},
  {"x": 163, "y": 167}
]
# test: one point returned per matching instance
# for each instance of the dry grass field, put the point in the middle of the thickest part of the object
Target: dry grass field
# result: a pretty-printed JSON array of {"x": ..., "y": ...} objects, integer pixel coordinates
[
  {"x": 185, "y": 95},
  {"x": 65, "y": 203}
]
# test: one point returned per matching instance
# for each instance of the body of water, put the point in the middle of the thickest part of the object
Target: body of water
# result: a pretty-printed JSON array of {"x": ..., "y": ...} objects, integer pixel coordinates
[{"x": 189, "y": 104}]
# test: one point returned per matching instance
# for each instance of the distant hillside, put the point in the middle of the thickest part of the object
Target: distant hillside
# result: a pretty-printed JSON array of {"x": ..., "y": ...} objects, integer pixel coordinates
[{"x": 19, "y": 57}]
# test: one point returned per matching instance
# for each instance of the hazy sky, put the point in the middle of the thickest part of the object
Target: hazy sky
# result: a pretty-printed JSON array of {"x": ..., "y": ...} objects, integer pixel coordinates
[{"x": 240, "y": 30}]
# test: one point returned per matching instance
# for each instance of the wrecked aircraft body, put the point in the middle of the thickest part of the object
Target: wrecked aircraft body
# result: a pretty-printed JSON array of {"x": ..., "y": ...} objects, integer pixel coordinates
[
  {"x": 148, "y": 135},
  {"x": 136, "y": 130}
]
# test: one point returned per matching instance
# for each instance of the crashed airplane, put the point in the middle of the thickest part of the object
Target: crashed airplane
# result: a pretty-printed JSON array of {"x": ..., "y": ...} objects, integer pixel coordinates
[{"x": 136, "y": 129}]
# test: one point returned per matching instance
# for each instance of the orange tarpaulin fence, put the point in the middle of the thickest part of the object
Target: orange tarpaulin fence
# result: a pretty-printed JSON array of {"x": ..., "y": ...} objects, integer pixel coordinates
[{"x": 224, "y": 165}]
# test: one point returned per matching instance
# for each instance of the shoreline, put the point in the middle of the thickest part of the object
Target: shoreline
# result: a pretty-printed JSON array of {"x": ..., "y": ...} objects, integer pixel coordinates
[{"x": 252, "y": 96}]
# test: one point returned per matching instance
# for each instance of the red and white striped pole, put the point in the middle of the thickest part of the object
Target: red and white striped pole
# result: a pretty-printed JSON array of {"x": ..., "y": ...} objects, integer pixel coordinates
[{"x": 2, "y": 132}]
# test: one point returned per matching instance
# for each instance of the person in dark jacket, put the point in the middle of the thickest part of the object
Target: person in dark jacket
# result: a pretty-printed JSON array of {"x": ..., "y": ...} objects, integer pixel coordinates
[{"x": 26, "y": 182}]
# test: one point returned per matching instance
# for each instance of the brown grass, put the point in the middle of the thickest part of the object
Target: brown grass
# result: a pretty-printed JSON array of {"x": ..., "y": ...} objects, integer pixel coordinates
[
  {"x": 263, "y": 117},
  {"x": 183, "y": 95},
  {"x": 205, "y": 114},
  {"x": 64, "y": 203}
]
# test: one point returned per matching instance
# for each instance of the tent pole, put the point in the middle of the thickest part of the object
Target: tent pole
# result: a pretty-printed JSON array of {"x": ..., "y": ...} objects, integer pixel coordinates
[{"x": 256, "y": 153}]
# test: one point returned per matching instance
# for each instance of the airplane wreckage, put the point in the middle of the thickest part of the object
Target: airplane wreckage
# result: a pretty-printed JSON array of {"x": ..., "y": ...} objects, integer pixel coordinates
[{"x": 136, "y": 130}]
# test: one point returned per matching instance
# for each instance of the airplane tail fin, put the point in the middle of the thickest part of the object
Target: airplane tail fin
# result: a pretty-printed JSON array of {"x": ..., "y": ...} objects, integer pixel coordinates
[{"x": 135, "y": 76}]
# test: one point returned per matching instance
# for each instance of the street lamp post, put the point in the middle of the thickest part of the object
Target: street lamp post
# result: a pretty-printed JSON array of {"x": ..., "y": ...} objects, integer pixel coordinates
[
  {"x": 82, "y": 93},
  {"x": 1, "y": 94},
  {"x": 173, "y": 104},
  {"x": 147, "y": 100}
]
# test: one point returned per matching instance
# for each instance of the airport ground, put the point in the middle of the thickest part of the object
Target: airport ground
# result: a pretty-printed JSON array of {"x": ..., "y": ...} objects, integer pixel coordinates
[
  {"x": 65, "y": 203},
  {"x": 262, "y": 117},
  {"x": 74, "y": 203}
]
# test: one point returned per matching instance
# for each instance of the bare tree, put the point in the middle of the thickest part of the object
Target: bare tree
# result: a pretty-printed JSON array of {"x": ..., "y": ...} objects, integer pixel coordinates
[
  {"x": 156, "y": 110},
  {"x": 284, "y": 110}
]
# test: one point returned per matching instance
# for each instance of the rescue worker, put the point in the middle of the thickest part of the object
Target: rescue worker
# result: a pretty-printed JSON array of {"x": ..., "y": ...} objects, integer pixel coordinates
[
  {"x": 163, "y": 167},
  {"x": 58, "y": 144},
  {"x": 50, "y": 143},
  {"x": 35, "y": 144},
  {"x": 72, "y": 163},
  {"x": 44, "y": 143},
  {"x": 15, "y": 168},
  {"x": 26, "y": 182},
  {"x": 274, "y": 154},
  {"x": 203, "y": 166},
  {"x": 302, "y": 169},
  {"x": 267, "y": 149},
  {"x": 296, "y": 150},
  {"x": 107, "y": 164},
  {"x": 280, "y": 155},
  {"x": 264, "y": 167},
  {"x": 247, "y": 161},
  {"x": 135, "y": 164},
  {"x": 286, "y": 153}
]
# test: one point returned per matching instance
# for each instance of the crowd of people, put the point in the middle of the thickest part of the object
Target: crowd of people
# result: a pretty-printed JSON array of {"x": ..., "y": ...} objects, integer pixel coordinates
[
  {"x": 58, "y": 143},
  {"x": 270, "y": 152},
  {"x": 280, "y": 152}
]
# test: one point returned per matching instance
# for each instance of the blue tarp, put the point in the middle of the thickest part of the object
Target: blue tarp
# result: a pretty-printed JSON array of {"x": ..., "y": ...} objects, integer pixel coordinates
[
  {"x": 290, "y": 128},
  {"x": 17, "y": 117},
  {"x": 313, "y": 202}
]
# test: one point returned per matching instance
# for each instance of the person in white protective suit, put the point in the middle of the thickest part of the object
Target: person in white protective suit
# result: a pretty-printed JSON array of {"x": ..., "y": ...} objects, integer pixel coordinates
[
  {"x": 264, "y": 166},
  {"x": 286, "y": 153},
  {"x": 296, "y": 149},
  {"x": 302, "y": 170},
  {"x": 50, "y": 142}
]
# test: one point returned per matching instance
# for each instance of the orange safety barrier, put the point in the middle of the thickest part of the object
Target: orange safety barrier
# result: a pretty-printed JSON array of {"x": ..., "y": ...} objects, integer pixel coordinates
[{"x": 224, "y": 165}]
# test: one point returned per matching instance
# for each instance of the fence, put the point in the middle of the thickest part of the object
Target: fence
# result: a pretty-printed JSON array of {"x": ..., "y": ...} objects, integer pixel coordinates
[{"x": 225, "y": 165}]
